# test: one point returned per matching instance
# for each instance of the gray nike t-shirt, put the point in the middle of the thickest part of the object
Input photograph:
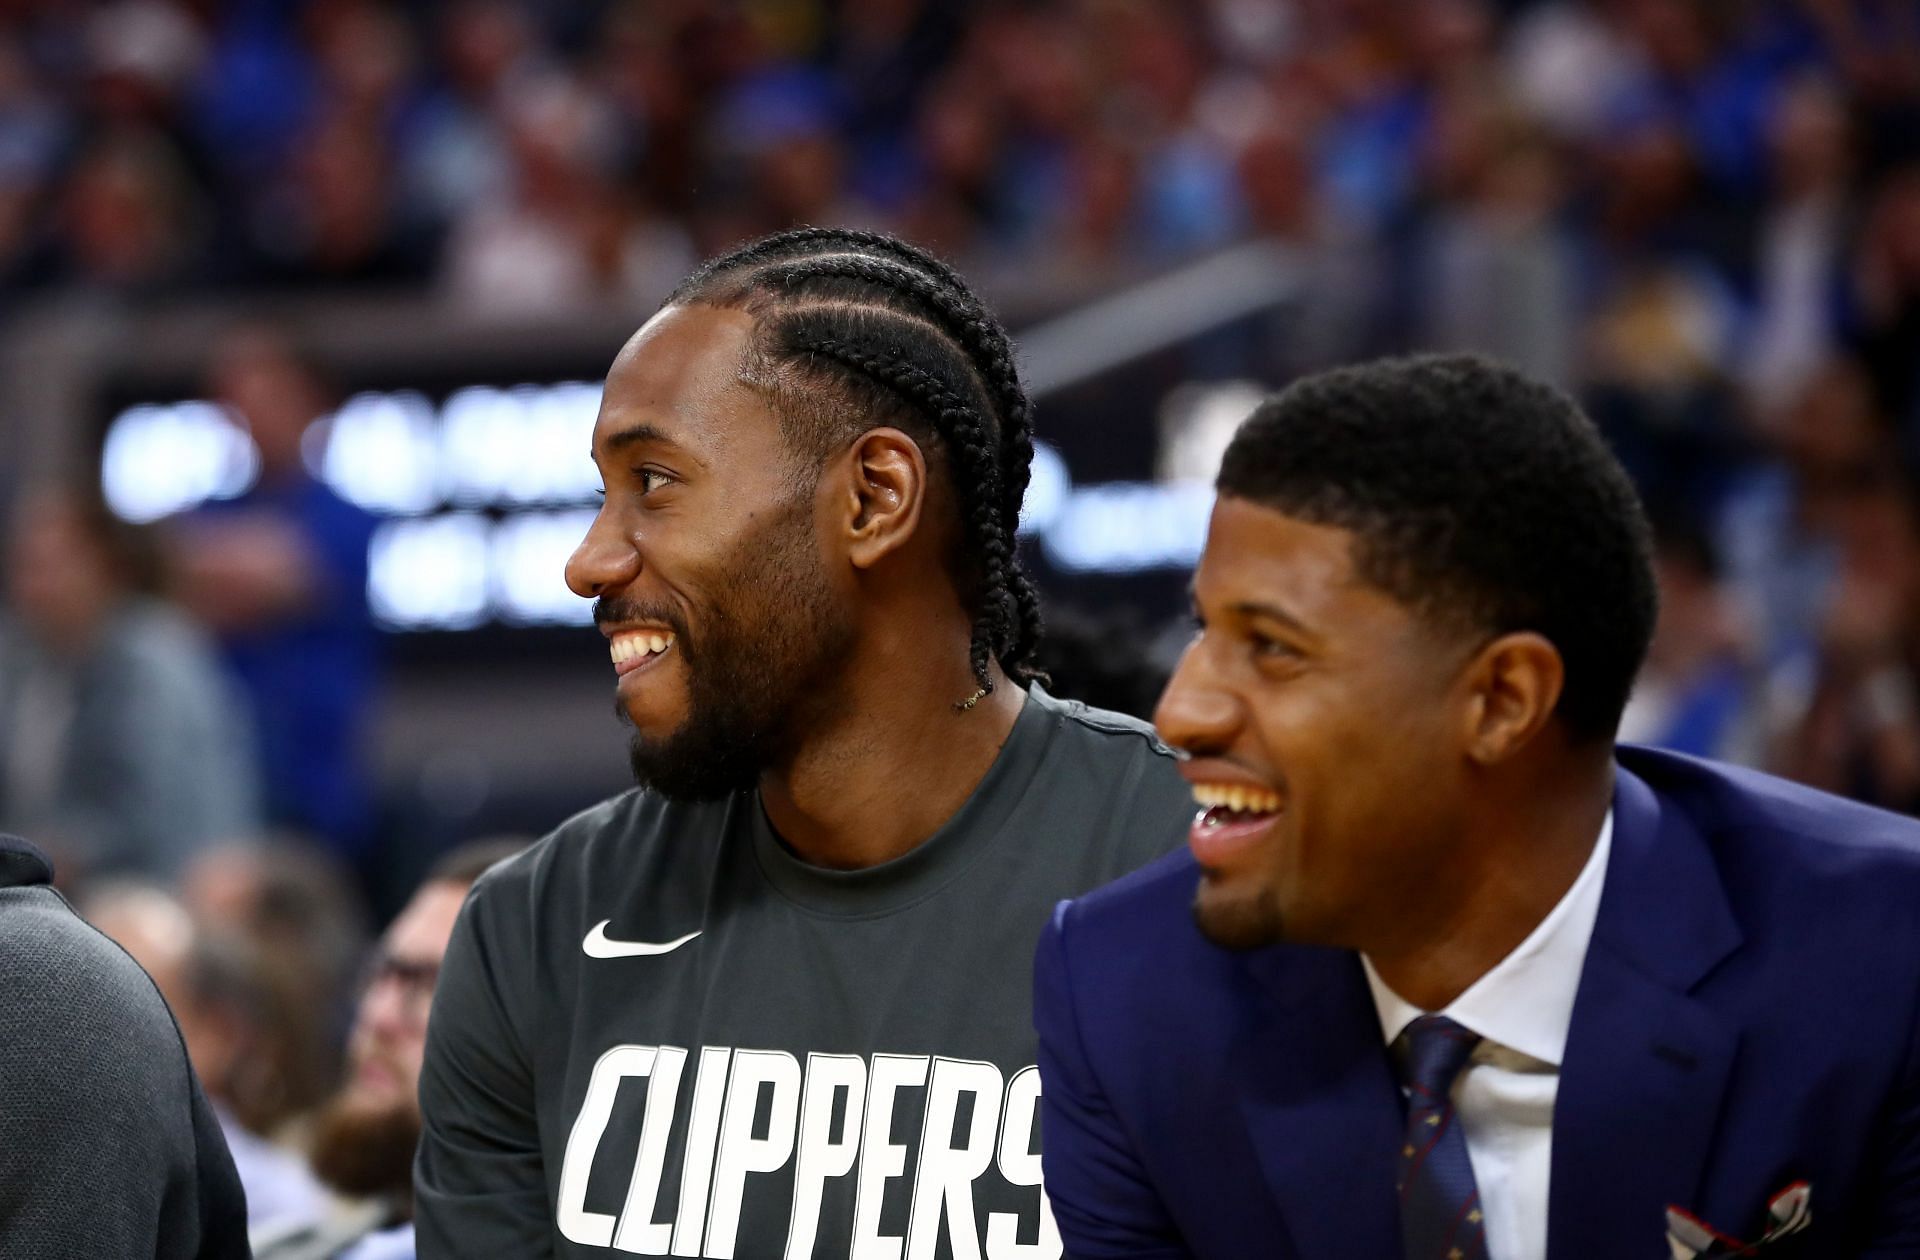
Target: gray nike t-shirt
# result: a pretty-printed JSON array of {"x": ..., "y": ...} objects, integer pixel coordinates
[{"x": 659, "y": 1033}]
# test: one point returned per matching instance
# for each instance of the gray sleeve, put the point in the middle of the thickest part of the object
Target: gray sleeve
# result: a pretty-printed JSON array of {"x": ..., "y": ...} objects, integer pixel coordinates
[
  {"x": 106, "y": 1147},
  {"x": 479, "y": 1186}
]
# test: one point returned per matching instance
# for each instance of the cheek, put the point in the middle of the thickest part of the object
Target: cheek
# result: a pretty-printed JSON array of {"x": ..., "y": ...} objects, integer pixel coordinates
[
  {"x": 1356, "y": 764},
  {"x": 409, "y": 1055}
]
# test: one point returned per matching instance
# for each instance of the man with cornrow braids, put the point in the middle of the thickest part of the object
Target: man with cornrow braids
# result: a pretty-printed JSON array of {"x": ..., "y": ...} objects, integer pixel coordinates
[{"x": 774, "y": 1001}]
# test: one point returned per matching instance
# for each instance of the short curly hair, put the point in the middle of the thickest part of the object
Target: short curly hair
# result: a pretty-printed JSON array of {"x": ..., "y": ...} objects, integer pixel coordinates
[{"x": 1480, "y": 498}]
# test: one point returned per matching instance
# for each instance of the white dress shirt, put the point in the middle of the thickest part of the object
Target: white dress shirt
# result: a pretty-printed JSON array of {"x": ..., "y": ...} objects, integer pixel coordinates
[{"x": 1504, "y": 1096}]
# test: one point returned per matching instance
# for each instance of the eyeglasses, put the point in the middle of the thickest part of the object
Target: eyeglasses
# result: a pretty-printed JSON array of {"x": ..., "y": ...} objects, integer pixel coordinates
[{"x": 412, "y": 983}]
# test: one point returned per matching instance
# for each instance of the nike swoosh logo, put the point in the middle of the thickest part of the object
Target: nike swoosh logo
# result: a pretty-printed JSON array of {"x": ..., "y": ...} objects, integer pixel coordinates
[{"x": 598, "y": 946}]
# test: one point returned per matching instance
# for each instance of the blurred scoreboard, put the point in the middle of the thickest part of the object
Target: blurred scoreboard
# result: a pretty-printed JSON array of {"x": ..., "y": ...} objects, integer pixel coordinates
[{"x": 483, "y": 491}]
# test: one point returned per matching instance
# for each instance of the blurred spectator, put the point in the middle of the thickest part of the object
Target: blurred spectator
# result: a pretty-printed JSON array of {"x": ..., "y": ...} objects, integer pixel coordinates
[
  {"x": 1697, "y": 692},
  {"x": 1655, "y": 382},
  {"x": 533, "y": 159},
  {"x": 455, "y": 157},
  {"x": 365, "y": 1135},
  {"x": 1569, "y": 61},
  {"x": 1803, "y": 234},
  {"x": 122, "y": 743},
  {"x": 1887, "y": 286},
  {"x": 566, "y": 233},
  {"x": 130, "y": 220},
  {"x": 1497, "y": 272},
  {"x": 1848, "y": 714},
  {"x": 1780, "y": 530},
  {"x": 234, "y": 1025},
  {"x": 280, "y": 574},
  {"x": 298, "y": 907}
]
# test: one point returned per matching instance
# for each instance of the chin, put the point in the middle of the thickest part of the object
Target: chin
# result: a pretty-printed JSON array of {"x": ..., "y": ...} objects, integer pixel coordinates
[
  {"x": 370, "y": 1096},
  {"x": 650, "y": 721},
  {"x": 1236, "y": 918}
]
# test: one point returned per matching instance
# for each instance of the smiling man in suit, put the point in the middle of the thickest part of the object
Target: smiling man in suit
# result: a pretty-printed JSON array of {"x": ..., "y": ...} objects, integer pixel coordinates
[{"x": 1444, "y": 972}]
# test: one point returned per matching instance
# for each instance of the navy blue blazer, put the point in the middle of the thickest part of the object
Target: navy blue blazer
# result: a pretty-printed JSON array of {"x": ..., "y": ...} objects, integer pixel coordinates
[{"x": 1746, "y": 1018}]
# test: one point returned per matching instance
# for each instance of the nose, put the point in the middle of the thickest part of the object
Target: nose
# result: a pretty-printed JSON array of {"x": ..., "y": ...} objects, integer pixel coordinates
[
  {"x": 1197, "y": 714},
  {"x": 383, "y": 1011},
  {"x": 605, "y": 560}
]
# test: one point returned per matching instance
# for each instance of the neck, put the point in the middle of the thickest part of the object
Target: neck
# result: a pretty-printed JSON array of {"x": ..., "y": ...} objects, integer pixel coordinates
[
  {"x": 1518, "y": 853},
  {"x": 896, "y": 759}
]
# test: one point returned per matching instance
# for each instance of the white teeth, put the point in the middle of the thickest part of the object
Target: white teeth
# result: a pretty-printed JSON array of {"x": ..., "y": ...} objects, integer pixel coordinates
[
  {"x": 1238, "y": 797},
  {"x": 636, "y": 644}
]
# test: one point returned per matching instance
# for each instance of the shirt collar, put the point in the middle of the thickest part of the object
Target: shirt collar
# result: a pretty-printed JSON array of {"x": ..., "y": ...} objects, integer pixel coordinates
[{"x": 1526, "y": 1002}]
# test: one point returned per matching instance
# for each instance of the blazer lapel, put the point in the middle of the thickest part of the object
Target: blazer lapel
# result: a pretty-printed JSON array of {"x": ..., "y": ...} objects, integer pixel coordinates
[
  {"x": 1646, "y": 1064},
  {"x": 1318, "y": 1096}
]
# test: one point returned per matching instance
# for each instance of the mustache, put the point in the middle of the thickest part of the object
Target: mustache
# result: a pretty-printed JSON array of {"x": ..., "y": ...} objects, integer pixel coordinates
[
  {"x": 366, "y": 1054},
  {"x": 608, "y": 610}
]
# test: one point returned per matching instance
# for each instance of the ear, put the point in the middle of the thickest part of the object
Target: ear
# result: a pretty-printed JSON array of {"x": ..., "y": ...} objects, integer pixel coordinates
[
  {"x": 1514, "y": 685},
  {"x": 886, "y": 491}
]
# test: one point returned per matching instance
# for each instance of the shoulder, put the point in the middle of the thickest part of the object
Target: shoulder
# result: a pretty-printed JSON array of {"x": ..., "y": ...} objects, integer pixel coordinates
[
  {"x": 1112, "y": 775},
  {"x": 1145, "y": 995},
  {"x": 1774, "y": 819},
  {"x": 1794, "y": 860},
  {"x": 80, "y": 1012},
  {"x": 1140, "y": 924},
  {"x": 1120, "y": 757},
  {"x": 1114, "y": 734}
]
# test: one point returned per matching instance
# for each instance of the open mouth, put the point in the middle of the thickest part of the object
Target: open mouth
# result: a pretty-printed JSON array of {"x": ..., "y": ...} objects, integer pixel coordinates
[
  {"x": 636, "y": 649},
  {"x": 1222, "y": 804},
  {"x": 1234, "y": 820}
]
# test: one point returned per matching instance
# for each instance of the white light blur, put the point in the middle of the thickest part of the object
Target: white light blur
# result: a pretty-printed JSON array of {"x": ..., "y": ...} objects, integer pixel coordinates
[
  {"x": 522, "y": 450},
  {"x": 162, "y": 458},
  {"x": 528, "y": 562},
  {"x": 430, "y": 573},
  {"x": 1197, "y": 422},
  {"x": 1127, "y": 526},
  {"x": 379, "y": 451},
  {"x": 512, "y": 447}
]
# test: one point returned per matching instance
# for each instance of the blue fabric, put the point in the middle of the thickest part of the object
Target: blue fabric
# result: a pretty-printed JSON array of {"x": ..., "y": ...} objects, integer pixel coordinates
[
  {"x": 1439, "y": 1203},
  {"x": 1708, "y": 712},
  {"x": 311, "y": 680},
  {"x": 1746, "y": 1017}
]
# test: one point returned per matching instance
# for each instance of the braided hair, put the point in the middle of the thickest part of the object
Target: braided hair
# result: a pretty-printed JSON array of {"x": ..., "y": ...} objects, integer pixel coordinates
[{"x": 854, "y": 329}]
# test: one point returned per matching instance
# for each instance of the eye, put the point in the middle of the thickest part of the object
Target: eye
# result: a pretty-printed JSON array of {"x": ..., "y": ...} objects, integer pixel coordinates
[
  {"x": 1269, "y": 647},
  {"x": 651, "y": 479}
]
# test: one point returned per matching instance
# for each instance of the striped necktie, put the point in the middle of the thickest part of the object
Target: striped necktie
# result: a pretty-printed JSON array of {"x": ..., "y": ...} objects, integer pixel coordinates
[{"x": 1440, "y": 1215}]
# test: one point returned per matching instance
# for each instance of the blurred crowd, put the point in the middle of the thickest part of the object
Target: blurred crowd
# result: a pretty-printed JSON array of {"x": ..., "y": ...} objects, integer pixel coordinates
[
  {"x": 525, "y": 157},
  {"x": 1703, "y": 218}
]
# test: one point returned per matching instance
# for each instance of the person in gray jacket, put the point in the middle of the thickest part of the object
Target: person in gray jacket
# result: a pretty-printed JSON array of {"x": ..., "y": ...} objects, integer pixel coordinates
[
  {"x": 124, "y": 748},
  {"x": 107, "y": 1148}
]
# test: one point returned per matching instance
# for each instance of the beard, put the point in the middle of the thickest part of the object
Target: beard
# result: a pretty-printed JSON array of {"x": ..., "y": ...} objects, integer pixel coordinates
[
  {"x": 772, "y": 638},
  {"x": 364, "y": 1149}
]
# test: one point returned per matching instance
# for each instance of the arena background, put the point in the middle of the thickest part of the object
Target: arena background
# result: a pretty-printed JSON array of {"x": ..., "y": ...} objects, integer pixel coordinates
[{"x": 1702, "y": 218}]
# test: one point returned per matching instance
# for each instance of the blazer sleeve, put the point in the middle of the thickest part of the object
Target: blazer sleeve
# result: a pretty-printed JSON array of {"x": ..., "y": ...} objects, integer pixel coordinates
[
  {"x": 479, "y": 1183},
  {"x": 1102, "y": 1198}
]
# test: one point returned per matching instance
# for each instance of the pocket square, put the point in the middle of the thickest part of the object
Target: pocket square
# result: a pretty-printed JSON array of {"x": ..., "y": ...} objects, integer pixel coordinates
[{"x": 1788, "y": 1212}]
